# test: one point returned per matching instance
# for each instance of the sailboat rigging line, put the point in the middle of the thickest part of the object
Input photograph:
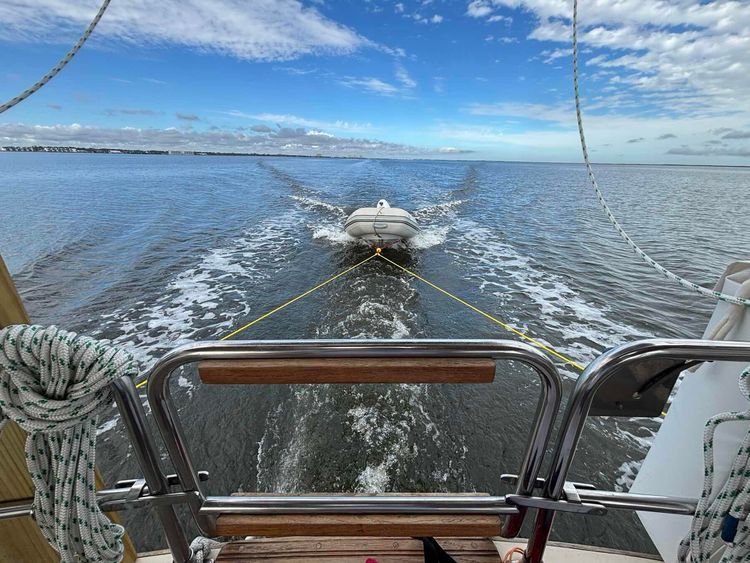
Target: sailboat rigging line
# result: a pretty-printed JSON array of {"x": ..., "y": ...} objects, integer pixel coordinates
[
  {"x": 285, "y": 305},
  {"x": 61, "y": 64},
  {"x": 506, "y": 326},
  {"x": 600, "y": 196}
]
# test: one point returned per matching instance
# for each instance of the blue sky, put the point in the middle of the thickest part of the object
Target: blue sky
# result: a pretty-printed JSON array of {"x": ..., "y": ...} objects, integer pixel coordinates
[{"x": 663, "y": 81}]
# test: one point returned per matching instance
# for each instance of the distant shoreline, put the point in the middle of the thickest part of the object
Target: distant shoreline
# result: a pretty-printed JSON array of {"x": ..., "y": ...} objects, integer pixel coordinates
[
  {"x": 104, "y": 150},
  {"x": 95, "y": 150}
]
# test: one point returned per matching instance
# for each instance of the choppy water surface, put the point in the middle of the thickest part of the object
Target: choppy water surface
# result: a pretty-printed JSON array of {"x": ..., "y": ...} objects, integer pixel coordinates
[{"x": 156, "y": 251}]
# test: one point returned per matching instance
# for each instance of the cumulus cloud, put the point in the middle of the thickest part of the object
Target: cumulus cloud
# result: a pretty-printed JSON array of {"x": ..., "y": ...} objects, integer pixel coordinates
[
  {"x": 550, "y": 131},
  {"x": 551, "y": 55},
  {"x": 131, "y": 111},
  {"x": 187, "y": 116},
  {"x": 710, "y": 151},
  {"x": 479, "y": 8},
  {"x": 735, "y": 134},
  {"x": 261, "y": 128},
  {"x": 688, "y": 56},
  {"x": 246, "y": 29},
  {"x": 283, "y": 140},
  {"x": 288, "y": 119}
]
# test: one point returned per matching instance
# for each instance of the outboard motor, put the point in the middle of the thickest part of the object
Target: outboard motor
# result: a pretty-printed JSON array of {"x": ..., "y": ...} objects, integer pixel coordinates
[{"x": 383, "y": 204}]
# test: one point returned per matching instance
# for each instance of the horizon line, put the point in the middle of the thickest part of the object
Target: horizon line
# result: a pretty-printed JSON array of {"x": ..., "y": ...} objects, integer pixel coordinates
[{"x": 199, "y": 152}]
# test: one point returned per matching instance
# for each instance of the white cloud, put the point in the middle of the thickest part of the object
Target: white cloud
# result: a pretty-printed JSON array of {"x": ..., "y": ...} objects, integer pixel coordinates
[
  {"x": 550, "y": 133},
  {"x": 284, "y": 140},
  {"x": 479, "y": 8},
  {"x": 435, "y": 18},
  {"x": 454, "y": 150},
  {"x": 403, "y": 77},
  {"x": 287, "y": 119},
  {"x": 551, "y": 55},
  {"x": 246, "y": 29},
  {"x": 499, "y": 18},
  {"x": 661, "y": 47},
  {"x": 372, "y": 85},
  {"x": 556, "y": 114}
]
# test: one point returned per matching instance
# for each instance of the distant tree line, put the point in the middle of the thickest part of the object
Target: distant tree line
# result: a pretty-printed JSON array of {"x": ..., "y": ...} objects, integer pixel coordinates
[{"x": 101, "y": 150}]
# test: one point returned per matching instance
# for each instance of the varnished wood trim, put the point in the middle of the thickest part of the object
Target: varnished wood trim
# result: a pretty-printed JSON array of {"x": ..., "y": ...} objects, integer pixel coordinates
[
  {"x": 354, "y": 550},
  {"x": 348, "y": 370},
  {"x": 373, "y": 525}
]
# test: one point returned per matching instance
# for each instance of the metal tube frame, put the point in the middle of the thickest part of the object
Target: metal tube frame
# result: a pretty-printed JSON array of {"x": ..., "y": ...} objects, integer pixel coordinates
[
  {"x": 558, "y": 494},
  {"x": 205, "y": 512},
  {"x": 589, "y": 382},
  {"x": 131, "y": 410}
]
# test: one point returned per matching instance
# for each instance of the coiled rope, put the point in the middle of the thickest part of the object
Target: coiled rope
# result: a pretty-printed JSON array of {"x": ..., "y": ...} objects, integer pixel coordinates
[
  {"x": 725, "y": 517},
  {"x": 600, "y": 196},
  {"x": 60, "y": 65},
  {"x": 53, "y": 384}
]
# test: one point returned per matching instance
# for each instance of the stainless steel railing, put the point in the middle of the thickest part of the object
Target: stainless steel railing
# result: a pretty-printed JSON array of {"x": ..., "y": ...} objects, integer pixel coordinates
[
  {"x": 619, "y": 362},
  {"x": 168, "y": 422},
  {"x": 625, "y": 367}
]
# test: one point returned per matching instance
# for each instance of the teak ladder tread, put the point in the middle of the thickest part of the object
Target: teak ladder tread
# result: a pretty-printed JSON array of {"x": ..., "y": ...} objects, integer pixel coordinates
[
  {"x": 372, "y": 525},
  {"x": 348, "y": 370},
  {"x": 355, "y": 550}
]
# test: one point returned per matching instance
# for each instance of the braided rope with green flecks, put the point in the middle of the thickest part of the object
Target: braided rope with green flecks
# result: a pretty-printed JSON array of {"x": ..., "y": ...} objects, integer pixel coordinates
[
  {"x": 704, "y": 540},
  {"x": 603, "y": 202},
  {"x": 54, "y": 383}
]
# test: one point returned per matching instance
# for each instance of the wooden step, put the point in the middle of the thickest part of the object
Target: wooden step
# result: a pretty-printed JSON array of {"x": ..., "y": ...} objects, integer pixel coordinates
[
  {"x": 355, "y": 550},
  {"x": 371, "y": 525},
  {"x": 374, "y": 525},
  {"x": 348, "y": 370}
]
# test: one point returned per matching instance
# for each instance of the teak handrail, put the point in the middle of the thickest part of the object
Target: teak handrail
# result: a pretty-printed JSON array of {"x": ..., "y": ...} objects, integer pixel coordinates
[{"x": 348, "y": 370}]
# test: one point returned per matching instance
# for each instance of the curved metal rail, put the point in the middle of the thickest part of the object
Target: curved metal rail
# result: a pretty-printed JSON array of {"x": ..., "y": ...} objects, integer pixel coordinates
[
  {"x": 602, "y": 370},
  {"x": 167, "y": 419}
]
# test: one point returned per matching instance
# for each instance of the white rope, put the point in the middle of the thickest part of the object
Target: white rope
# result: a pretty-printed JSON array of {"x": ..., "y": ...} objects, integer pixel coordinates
[
  {"x": 53, "y": 384},
  {"x": 645, "y": 257},
  {"x": 60, "y": 65},
  {"x": 202, "y": 549},
  {"x": 713, "y": 516}
]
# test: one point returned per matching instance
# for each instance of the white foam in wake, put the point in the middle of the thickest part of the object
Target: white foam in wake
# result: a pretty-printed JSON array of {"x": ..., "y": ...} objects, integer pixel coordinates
[
  {"x": 335, "y": 235},
  {"x": 499, "y": 270},
  {"x": 429, "y": 237},
  {"x": 306, "y": 201},
  {"x": 446, "y": 208},
  {"x": 199, "y": 293}
]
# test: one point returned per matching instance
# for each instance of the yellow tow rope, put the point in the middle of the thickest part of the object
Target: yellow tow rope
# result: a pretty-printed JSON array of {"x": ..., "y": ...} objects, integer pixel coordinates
[
  {"x": 300, "y": 296},
  {"x": 506, "y": 326},
  {"x": 378, "y": 253}
]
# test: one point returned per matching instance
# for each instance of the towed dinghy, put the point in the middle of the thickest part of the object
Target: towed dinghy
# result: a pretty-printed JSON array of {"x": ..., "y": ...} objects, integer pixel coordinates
[{"x": 382, "y": 225}]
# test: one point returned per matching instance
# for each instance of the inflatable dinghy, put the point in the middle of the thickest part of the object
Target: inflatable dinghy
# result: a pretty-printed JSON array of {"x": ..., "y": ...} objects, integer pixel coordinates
[{"x": 382, "y": 225}]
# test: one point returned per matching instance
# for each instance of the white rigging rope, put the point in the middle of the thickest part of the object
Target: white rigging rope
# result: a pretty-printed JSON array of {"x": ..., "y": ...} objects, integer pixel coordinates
[
  {"x": 721, "y": 522},
  {"x": 53, "y": 384},
  {"x": 60, "y": 65},
  {"x": 600, "y": 196},
  {"x": 720, "y": 525}
]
